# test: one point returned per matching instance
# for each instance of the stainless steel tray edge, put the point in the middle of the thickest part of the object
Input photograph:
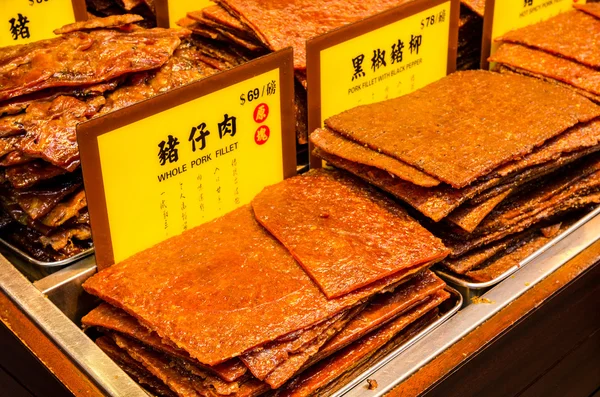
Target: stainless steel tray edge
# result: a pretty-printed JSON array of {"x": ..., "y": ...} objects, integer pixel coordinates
[
  {"x": 468, "y": 319},
  {"x": 460, "y": 282},
  {"x": 443, "y": 318},
  {"x": 66, "y": 335},
  {"x": 37, "y": 262}
]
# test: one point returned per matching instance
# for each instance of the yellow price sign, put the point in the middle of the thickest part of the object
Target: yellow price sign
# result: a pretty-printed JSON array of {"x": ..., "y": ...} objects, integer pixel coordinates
[
  {"x": 506, "y": 15},
  {"x": 383, "y": 57},
  {"x": 24, "y": 21},
  {"x": 160, "y": 167}
]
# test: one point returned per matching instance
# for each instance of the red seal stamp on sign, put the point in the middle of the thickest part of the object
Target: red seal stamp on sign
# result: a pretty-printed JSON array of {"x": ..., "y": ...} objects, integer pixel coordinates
[
  {"x": 262, "y": 134},
  {"x": 261, "y": 113}
]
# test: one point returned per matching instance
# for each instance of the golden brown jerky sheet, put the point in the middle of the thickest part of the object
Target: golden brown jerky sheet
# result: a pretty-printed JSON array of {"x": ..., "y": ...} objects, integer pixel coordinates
[
  {"x": 345, "y": 234},
  {"x": 548, "y": 65},
  {"x": 468, "y": 217},
  {"x": 134, "y": 369},
  {"x": 281, "y": 24},
  {"x": 252, "y": 290},
  {"x": 382, "y": 309},
  {"x": 111, "y": 318},
  {"x": 63, "y": 237},
  {"x": 573, "y": 35},
  {"x": 113, "y": 21},
  {"x": 590, "y": 8},
  {"x": 176, "y": 377},
  {"x": 65, "y": 210},
  {"x": 477, "y": 6},
  {"x": 222, "y": 17},
  {"x": 337, "y": 145},
  {"x": 458, "y": 137},
  {"x": 324, "y": 372},
  {"x": 490, "y": 271}
]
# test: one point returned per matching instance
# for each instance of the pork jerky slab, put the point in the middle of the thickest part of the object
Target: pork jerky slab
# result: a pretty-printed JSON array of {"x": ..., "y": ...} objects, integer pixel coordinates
[
  {"x": 27, "y": 175},
  {"x": 326, "y": 371},
  {"x": 238, "y": 305},
  {"x": 335, "y": 144},
  {"x": 134, "y": 369},
  {"x": 574, "y": 35},
  {"x": 521, "y": 58},
  {"x": 477, "y": 6},
  {"x": 281, "y": 24},
  {"x": 81, "y": 58},
  {"x": 181, "y": 381},
  {"x": 590, "y": 8},
  {"x": 37, "y": 202},
  {"x": 344, "y": 233},
  {"x": 458, "y": 138},
  {"x": 113, "y": 21}
]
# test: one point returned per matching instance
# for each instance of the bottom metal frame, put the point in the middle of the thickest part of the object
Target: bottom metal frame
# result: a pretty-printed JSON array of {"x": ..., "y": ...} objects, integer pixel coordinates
[{"x": 24, "y": 255}]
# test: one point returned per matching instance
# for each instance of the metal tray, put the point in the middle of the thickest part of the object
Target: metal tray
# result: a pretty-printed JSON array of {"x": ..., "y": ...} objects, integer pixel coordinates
[
  {"x": 24, "y": 255},
  {"x": 471, "y": 290},
  {"x": 447, "y": 310}
]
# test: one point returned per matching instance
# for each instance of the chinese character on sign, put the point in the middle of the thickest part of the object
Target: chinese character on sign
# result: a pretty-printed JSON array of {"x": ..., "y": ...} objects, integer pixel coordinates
[
  {"x": 261, "y": 113},
  {"x": 227, "y": 126},
  {"x": 527, "y": 3},
  {"x": 167, "y": 151},
  {"x": 272, "y": 87},
  {"x": 202, "y": 134},
  {"x": 442, "y": 15},
  {"x": 415, "y": 43},
  {"x": 19, "y": 28},
  {"x": 378, "y": 59},
  {"x": 397, "y": 52},
  {"x": 358, "y": 70}
]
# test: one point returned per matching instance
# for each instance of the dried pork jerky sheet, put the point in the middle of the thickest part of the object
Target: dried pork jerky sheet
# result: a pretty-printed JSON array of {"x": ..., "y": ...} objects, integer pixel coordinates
[
  {"x": 512, "y": 256},
  {"x": 50, "y": 129},
  {"x": 81, "y": 58},
  {"x": 590, "y": 8},
  {"x": 62, "y": 238},
  {"x": 573, "y": 35},
  {"x": 114, "y": 21},
  {"x": 438, "y": 202},
  {"x": 135, "y": 370},
  {"x": 319, "y": 375},
  {"x": 468, "y": 217},
  {"x": 38, "y": 201},
  {"x": 345, "y": 234},
  {"x": 281, "y": 24},
  {"x": 477, "y": 6},
  {"x": 220, "y": 16},
  {"x": 296, "y": 360},
  {"x": 238, "y": 306},
  {"x": 574, "y": 190},
  {"x": 27, "y": 175},
  {"x": 337, "y": 145},
  {"x": 459, "y": 138},
  {"x": 65, "y": 210},
  {"x": 181, "y": 381},
  {"x": 111, "y": 318},
  {"x": 540, "y": 63},
  {"x": 383, "y": 309}
]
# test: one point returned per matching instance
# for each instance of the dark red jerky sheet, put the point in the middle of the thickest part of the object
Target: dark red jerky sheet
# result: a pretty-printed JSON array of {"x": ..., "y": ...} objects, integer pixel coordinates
[
  {"x": 326, "y": 371},
  {"x": 39, "y": 201},
  {"x": 344, "y": 234},
  {"x": 573, "y": 35},
  {"x": 109, "y": 317},
  {"x": 113, "y": 21},
  {"x": 383, "y": 309},
  {"x": 337, "y": 145},
  {"x": 27, "y": 175},
  {"x": 252, "y": 290},
  {"x": 81, "y": 58},
  {"x": 281, "y": 24},
  {"x": 590, "y": 8},
  {"x": 463, "y": 126},
  {"x": 548, "y": 65}
]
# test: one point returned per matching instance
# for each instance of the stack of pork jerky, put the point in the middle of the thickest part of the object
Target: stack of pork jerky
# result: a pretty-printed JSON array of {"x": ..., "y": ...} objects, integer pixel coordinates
[
  {"x": 563, "y": 50},
  {"x": 244, "y": 29},
  {"x": 50, "y": 86},
  {"x": 320, "y": 274},
  {"x": 491, "y": 161},
  {"x": 105, "y": 8},
  {"x": 470, "y": 33}
]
